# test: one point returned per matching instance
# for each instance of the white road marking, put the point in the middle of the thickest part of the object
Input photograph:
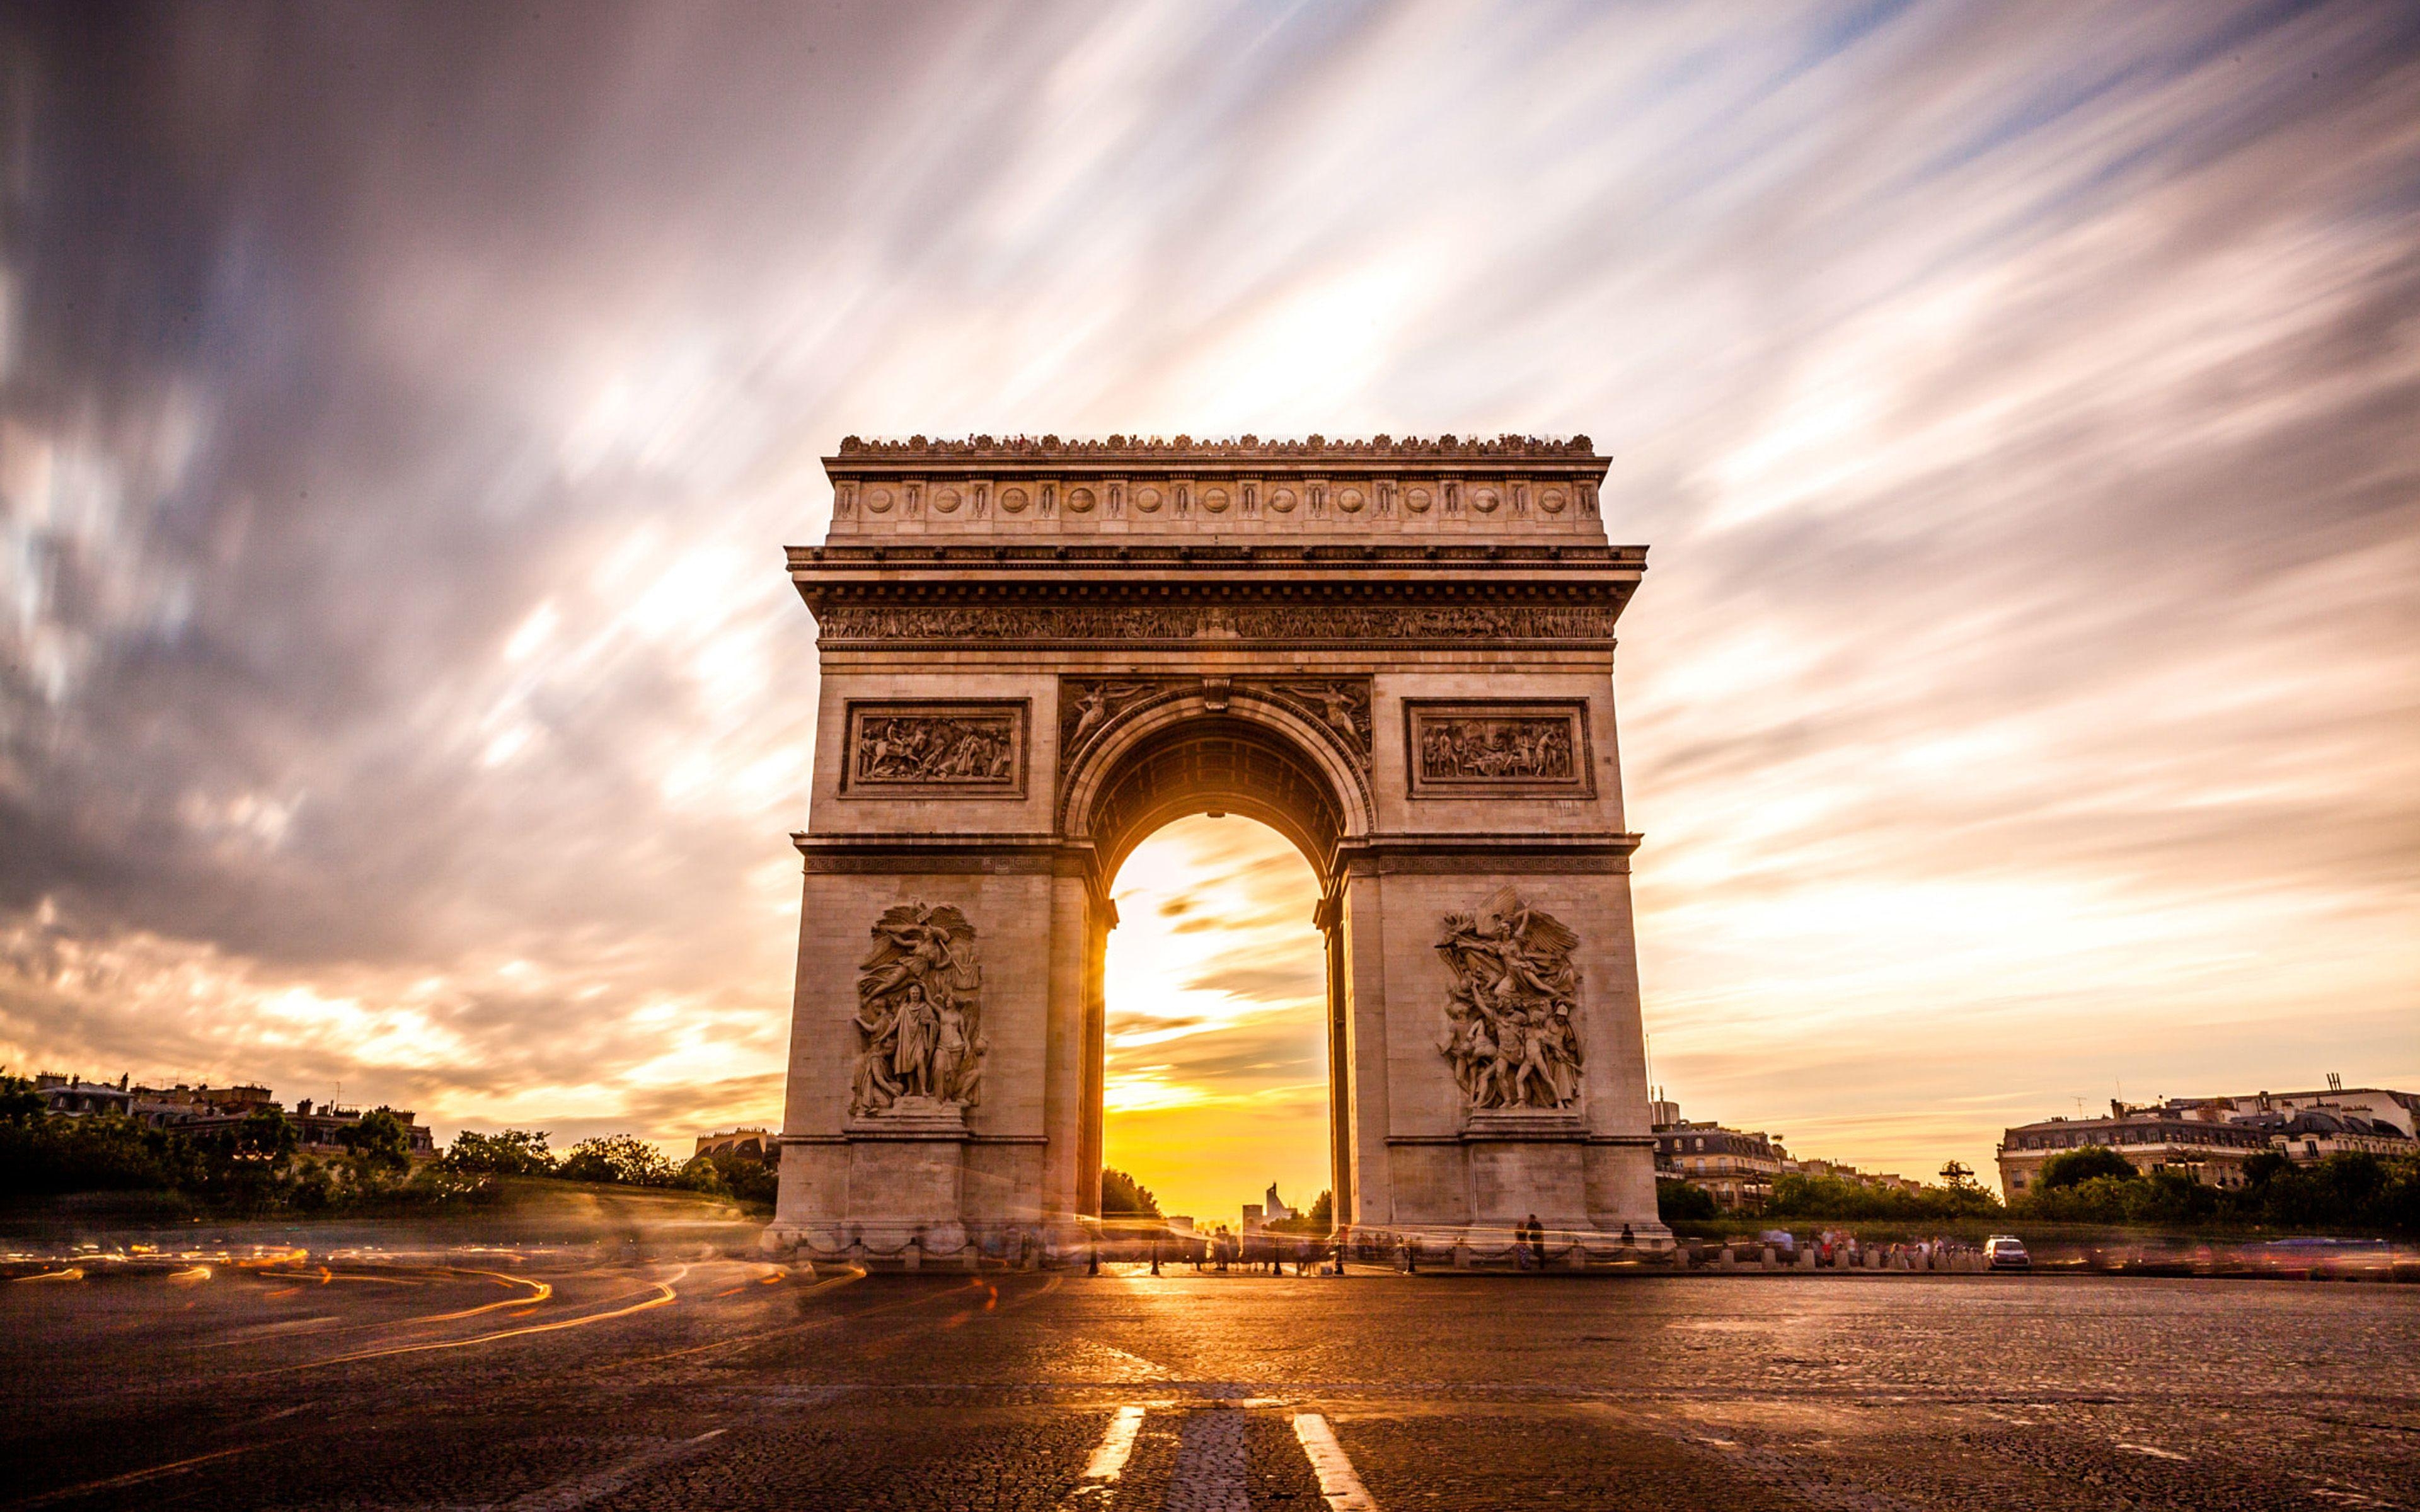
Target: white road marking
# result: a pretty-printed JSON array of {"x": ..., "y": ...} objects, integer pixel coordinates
[
  {"x": 1110, "y": 1459},
  {"x": 2153, "y": 1451},
  {"x": 1210, "y": 1464},
  {"x": 1338, "y": 1484}
]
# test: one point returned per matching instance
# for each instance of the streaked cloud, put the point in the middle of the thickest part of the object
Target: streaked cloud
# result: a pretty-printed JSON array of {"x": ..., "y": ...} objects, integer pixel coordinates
[{"x": 398, "y": 418}]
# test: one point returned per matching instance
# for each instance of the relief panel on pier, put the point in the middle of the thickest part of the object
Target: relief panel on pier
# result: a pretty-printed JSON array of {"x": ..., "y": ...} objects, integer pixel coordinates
[
  {"x": 957, "y": 749},
  {"x": 1488, "y": 749}
]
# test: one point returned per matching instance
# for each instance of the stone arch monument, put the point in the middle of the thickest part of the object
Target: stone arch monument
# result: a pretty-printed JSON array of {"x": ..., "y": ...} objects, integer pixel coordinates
[{"x": 1398, "y": 654}]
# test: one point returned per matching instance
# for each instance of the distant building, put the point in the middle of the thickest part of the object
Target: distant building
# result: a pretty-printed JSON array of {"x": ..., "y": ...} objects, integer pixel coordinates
[
  {"x": 1739, "y": 1167},
  {"x": 756, "y": 1144},
  {"x": 2210, "y": 1138},
  {"x": 201, "y": 1110},
  {"x": 1736, "y": 1165}
]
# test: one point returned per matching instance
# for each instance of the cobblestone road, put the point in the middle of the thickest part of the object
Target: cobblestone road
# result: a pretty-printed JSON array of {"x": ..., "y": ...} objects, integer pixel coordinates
[{"x": 563, "y": 1380}]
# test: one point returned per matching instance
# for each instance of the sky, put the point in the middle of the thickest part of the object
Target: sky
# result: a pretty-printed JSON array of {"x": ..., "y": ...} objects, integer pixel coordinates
[{"x": 402, "y": 411}]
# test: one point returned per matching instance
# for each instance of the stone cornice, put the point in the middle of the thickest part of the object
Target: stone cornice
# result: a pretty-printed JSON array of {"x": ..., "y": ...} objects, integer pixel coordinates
[
  {"x": 1065, "y": 559},
  {"x": 1140, "y": 452}
]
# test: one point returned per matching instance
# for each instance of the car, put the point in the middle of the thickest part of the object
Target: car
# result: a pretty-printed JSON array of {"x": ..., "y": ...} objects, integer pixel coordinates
[{"x": 2007, "y": 1252}]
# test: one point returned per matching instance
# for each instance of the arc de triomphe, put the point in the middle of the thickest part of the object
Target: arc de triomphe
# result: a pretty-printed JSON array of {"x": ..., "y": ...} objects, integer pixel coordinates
[{"x": 1398, "y": 655}]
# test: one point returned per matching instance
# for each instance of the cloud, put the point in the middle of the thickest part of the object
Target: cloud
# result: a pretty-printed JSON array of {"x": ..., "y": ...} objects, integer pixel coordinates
[{"x": 397, "y": 421}]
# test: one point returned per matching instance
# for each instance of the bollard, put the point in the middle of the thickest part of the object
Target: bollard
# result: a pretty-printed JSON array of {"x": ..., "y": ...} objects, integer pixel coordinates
[{"x": 1764, "y": 1260}]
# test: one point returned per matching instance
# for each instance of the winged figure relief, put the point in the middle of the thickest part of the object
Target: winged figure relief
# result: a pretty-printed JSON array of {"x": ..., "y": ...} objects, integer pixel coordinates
[
  {"x": 919, "y": 1014},
  {"x": 1511, "y": 1029}
]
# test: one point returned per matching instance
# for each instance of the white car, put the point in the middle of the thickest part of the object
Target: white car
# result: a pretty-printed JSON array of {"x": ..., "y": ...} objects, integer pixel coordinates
[{"x": 2007, "y": 1252}]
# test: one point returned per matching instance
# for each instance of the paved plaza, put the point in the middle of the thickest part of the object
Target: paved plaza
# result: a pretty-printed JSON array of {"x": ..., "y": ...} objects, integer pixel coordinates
[{"x": 576, "y": 1378}]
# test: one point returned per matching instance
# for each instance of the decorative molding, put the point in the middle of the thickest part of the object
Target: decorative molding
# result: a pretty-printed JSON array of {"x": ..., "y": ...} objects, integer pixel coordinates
[
  {"x": 1511, "y": 1030},
  {"x": 1184, "y": 448},
  {"x": 947, "y": 748},
  {"x": 842, "y": 623},
  {"x": 919, "y": 1020},
  {"x": 1498, "y": 748}
]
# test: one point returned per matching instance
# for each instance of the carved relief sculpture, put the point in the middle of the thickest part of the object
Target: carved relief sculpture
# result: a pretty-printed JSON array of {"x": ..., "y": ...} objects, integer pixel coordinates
[
  {"x": 1497, "y": 750},
  {"x": 843, "y": 623},
  {"x": 918, "y": 1015},
  {"x": 942, "y": 749},
  {"x": 1340, "y": 703},
  {"x": 1511, "y": 1029},
  {"x": 1088, "y": 703}
]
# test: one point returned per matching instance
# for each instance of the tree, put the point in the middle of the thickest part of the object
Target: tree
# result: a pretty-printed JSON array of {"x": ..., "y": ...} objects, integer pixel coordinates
[
  {"x": 1679, "y": 1201},
  {"x": 1320, "y": 1219},
  {"x": 18, "y": 1100},
  {"x": 267, "y": 1135},
  {"x": 1123, "y": 1197},
  {"x": 505, "y": 1152},
  {"x": 380, "y": 1144},
  {"x": 743, "y": 1177},
  {"x": 2073, "y": 1168},
  {"x": 623, "y": 1159}
]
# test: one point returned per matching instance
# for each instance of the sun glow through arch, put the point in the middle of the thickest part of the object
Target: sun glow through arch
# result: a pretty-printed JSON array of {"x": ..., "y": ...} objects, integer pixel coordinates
[{"x": 1216, "y": 1078}]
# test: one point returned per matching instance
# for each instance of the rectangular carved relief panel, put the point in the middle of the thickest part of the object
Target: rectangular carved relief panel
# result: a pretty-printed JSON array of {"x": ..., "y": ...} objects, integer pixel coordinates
[
  {"x": 952, "y": 748},
  {"x": 1491, "y": 749}
]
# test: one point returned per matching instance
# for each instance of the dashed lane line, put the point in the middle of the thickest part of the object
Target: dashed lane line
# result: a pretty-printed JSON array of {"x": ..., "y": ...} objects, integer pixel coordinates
[
  {"x": 1109, "y": 1462},
  {"x": 1338, "y": 1484},
  {"x": 1110, "y": 1459}
]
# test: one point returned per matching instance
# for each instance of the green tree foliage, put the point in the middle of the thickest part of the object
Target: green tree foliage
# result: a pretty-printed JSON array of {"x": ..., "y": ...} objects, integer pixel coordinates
[
  {"x": 98, "y": 1152},
  {"x": 268, "y": 1137},
  {"x": 1828, "y": 1197},
  {"x": 506, "y": 1152},
  {"x": 2348, "y": 1191},
  {"x": 728, "y": 1172},
  {"x": 19, "y": 1102},
  {"x": 2071, "y": 1168},
  {"x": 1123, "y": 1197},
  {"x": 379, "y": 1145},
  {"x": 625, "y": 1160},
  {"x": 1680, "y": 1202},
  {"x": 1319, "y": 1219}
]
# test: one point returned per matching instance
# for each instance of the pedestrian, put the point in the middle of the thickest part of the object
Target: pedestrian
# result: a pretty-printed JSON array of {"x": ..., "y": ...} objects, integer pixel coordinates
[{"x": 1537, "y": 1237}]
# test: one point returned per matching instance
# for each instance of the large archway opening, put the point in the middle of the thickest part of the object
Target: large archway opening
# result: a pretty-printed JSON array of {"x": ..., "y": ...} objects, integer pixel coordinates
[
  {"x": 1215, "y": 1078},
  {"x": 1236, "y": 806}
]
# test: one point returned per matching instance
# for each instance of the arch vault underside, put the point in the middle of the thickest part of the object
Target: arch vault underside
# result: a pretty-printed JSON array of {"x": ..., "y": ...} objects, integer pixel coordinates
[{"x": 1397, "y": 656}]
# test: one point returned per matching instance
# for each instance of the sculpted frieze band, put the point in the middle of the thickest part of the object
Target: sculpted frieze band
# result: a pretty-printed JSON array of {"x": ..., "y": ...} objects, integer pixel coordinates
[
  {"x": 956, "y": 748},
  {"x": 843, "y": 623},
  {"x": 1511, "y": 1029}
]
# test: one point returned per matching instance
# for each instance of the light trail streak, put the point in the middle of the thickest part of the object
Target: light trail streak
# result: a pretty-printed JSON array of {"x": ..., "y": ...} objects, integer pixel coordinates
[
  {"x": 539, "y": 1291},
  {"x": 139, "y": 1477},
  {"x": 195, "y": 1275},
  {"x": 665, "y": 1296},
  {"x": 73, "y": 1272}
]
